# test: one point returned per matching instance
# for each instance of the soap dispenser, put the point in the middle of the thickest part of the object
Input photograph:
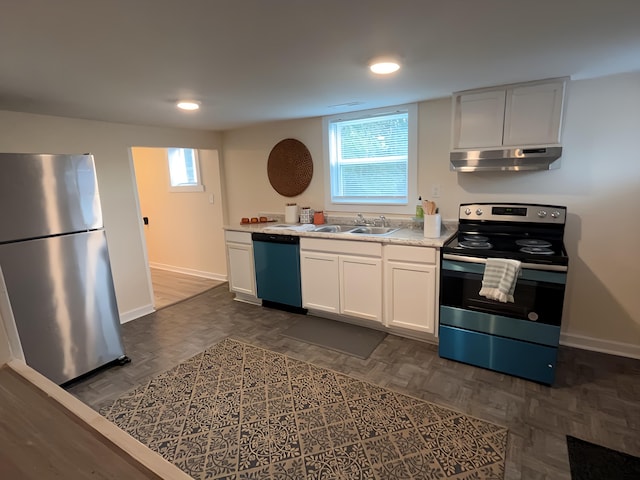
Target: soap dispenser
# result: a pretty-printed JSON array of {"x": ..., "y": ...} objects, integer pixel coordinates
[{"x": 419, "y": 209}]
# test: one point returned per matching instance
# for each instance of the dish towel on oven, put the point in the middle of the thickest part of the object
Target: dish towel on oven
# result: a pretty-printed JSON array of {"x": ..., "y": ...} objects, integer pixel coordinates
[{"x": 499, "y": 280}]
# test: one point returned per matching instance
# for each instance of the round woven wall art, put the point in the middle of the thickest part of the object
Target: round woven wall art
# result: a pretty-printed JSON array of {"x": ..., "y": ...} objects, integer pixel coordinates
[{"x": 290, "y": 167}]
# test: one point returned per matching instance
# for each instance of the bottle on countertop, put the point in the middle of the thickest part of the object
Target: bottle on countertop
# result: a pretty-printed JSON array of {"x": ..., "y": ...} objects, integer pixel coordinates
[{"x": 419, "y": 209}]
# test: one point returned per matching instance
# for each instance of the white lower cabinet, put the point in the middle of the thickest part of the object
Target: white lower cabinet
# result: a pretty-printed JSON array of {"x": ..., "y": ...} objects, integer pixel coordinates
[
  {"x": 320, "y": 281},
  {"x": 361, "y": 287},
  {"x": 342, "y": 277},
  {"x": 242, "y": 278},
  {"x": 411, "y": 287},
  {"x": 393, "y": 285}
]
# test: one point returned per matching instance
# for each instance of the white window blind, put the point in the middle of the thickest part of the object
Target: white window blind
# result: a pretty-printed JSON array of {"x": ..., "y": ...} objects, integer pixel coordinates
[{"x": 369, "y": 159}]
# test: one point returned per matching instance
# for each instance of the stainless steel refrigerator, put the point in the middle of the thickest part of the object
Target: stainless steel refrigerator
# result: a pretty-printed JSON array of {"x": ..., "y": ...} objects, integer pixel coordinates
[{"x": 55, "y": 262}]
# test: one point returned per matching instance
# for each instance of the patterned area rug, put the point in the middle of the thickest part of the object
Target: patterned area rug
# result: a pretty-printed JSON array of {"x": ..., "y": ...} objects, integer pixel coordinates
[{"x": 236, "y": 411}]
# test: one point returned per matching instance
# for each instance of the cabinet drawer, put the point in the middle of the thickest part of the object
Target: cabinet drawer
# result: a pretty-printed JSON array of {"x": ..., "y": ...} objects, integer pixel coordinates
[
  {"x": 348, "y": 247},
  {"x": 238, "y": 237},
  {"x": 404, "y": 253},
  {"x": 514, "y": 357}
]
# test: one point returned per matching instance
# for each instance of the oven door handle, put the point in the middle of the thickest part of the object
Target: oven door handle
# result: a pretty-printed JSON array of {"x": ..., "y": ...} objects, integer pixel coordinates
[
  {"x": 529, "y": 266},
  {"x": 504, "y": 310}
]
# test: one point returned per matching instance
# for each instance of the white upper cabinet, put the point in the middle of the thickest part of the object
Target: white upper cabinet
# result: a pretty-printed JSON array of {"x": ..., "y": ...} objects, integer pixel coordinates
[
  {"x": 532, "y": 114},
  {"x": 512, "y": 115},
  {"x": 480, "y": 119}
]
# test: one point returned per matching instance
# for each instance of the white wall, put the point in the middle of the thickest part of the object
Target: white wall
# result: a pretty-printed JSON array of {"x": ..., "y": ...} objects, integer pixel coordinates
[
  {"x": 599, "y": 182},
  {"x": 245, "y": 155},
  {"x": 110, "y": 144},
  {"x": 185, "y": 231}
]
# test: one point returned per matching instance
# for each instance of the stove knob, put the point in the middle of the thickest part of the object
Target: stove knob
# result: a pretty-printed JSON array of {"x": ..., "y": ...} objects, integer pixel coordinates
[
  {"x": 542, "y": 213},
  {"x": 467, "y": 211},
  {"x": 555, "y": 214},
  {"x": 479, "y": 211}
]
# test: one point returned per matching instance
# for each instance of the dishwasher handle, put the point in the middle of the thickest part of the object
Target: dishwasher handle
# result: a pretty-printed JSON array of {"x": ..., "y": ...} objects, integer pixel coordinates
[{"x": 275, "y": 238}]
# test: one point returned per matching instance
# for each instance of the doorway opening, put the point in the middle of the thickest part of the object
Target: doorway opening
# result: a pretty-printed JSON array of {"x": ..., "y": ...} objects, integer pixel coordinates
[{"x": 182, "y": 228}]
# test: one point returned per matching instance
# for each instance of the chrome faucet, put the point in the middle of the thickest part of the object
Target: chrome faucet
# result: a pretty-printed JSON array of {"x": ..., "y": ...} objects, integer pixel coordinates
[{"x": 383, "y": 221}]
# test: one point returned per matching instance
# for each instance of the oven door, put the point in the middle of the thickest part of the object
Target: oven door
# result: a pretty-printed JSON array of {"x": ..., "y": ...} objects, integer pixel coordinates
[{"x": 538, "y": 296}]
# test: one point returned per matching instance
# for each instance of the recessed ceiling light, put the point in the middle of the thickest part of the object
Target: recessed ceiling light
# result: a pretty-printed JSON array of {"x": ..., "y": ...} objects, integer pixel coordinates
[
  {"x": 384, "y": 66},
  {"x": 188, "y": 105}
]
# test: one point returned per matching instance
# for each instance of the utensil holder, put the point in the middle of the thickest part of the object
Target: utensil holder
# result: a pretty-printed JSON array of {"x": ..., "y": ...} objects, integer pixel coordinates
[{"x": 432, "y": 225}]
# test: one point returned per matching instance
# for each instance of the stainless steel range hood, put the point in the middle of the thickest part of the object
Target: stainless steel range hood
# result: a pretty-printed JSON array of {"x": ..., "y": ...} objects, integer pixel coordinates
[{"x": 506, "y": 159}]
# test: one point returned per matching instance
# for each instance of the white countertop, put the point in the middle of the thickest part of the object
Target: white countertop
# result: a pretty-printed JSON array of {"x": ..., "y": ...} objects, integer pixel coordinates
[{"x": 404, "y": 236}]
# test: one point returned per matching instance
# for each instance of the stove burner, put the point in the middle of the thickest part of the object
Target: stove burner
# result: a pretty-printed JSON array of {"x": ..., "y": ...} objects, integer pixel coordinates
[
  {"x": 476, "y": 238},
  {"x": 537, "y": 250},
  {"x": 480, "y": 245},
  {"x": 532, "y": 242}
]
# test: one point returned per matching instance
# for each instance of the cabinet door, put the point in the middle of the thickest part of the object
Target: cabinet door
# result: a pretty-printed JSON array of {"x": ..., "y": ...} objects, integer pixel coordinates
[
  {"x": 478, "y": 119},
  {"x": 320, "y": 281},
  {"x": 361, "y": 287},
  {"x": 410, "y": 296},
  {"x": 242, "y": 277},
  {"x": 533, "y": 114}
]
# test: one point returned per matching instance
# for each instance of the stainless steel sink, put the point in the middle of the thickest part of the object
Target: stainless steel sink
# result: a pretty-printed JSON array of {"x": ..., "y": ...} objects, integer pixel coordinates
[
  {"x": 332, "y": 228},
  {"x": 373, "y": 230}
]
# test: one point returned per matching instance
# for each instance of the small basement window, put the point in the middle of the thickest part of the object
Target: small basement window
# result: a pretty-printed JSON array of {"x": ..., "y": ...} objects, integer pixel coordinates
[{"x": 184, "y": 174}]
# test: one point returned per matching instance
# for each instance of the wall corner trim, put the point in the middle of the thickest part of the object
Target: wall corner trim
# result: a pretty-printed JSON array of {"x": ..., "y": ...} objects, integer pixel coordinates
[
  {"x": 136, "y": 313},
  {"x": 189, "y": 271},
  {"x": 599, "y": 345}
]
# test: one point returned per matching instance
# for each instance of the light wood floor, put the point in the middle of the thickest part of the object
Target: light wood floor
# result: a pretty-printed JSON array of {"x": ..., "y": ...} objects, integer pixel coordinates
[
  {"x": 171, "y": 287},
  {"x": 596, "y": 396},
  {"x": 44, "y": 441}
]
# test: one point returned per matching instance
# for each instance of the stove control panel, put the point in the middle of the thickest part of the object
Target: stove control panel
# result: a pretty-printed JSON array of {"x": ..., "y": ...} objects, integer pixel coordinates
[{"x": 513, "y": 212}]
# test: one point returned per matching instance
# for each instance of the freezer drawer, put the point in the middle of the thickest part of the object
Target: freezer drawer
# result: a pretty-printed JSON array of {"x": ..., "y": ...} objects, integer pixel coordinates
[{"x": 63, "y": 300}]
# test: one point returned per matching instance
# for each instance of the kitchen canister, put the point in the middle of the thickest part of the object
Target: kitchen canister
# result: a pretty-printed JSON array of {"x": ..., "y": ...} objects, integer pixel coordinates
[
  {"x": 291, "y": 213},
  {"x": 432, "y": 225},
  {"x": 306, "y": 215}
]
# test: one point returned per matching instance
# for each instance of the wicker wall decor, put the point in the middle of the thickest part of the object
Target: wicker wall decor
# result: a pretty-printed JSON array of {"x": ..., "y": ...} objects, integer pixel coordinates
[{"x": 290, "y": 167}]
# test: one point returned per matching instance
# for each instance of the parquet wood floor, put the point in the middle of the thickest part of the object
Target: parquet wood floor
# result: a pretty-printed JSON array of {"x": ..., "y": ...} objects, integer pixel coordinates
[
  {"x": 596, "y": 397},
  {"x": 172, "y": 287}
]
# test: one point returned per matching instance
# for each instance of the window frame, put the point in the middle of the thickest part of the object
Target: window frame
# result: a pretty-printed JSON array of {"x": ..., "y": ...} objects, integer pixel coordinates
[
  {"x": 412, "y": 162},
  {"x": 198, "y": 186}
]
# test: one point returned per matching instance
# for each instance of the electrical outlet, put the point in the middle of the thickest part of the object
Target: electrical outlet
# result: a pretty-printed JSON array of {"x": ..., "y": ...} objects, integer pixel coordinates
[
  {"x": 211, "y": 198},
  {"x": 435, "y": 190}
]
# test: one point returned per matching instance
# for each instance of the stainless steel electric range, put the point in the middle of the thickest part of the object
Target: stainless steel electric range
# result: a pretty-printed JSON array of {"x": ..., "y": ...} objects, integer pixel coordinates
[{"x": 519, "y": 338}]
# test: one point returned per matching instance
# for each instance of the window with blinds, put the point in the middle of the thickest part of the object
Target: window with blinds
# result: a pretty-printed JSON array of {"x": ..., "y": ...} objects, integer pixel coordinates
[{"x": 370, "y": 158}]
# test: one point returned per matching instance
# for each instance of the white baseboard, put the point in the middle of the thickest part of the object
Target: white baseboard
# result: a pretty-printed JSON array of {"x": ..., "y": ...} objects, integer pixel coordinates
[
  {"x": 603, "y": 346},
  {"x": 189, "y": 271},
  {"x": 136, "y": 313}
]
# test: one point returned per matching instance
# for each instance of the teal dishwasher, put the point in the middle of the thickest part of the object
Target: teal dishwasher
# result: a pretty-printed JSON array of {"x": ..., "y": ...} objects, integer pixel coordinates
[{"x": 277, "y": 265}]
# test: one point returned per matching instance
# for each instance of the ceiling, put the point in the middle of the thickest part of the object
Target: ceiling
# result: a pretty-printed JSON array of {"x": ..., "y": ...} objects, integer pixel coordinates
[{"x": 252, "y": 61}]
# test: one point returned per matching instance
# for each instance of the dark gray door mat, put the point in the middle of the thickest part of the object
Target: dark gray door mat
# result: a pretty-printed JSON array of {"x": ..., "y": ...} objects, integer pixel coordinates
[
  {"x": 339, "y": 336},
  {"x": 589, "y": 461}
]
